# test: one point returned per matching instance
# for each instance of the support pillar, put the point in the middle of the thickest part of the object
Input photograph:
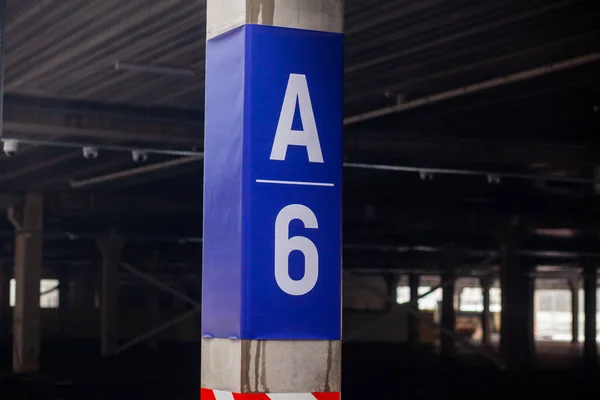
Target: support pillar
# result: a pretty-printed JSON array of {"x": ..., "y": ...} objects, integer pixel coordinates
[
  {"x": 28, "y": 274},
  {"x": 448, "y": 313},
  {"x": 110, "y": 247},
  {"x": 4, "y": 276},
  {"x": 486, "y": 320},
  {"x": 152, "y": 298},
  {"x": 271, "y": 317},
  {"x": 507, "y": 268},
  {"x": 590, "y": 347},
  {"x": 391, "y": 284},
  {"x": 5, "y": 319},
  {"x": 574, "y": 286},
  {"x": 529, "y": 310},
  {"x": 517, "y": 342},
  {"x": 64, "y": 304},
  {"x": 413, "y": 322}
]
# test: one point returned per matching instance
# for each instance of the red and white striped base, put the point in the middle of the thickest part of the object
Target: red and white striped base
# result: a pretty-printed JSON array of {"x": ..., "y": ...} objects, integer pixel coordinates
[{"x": 209, "y": 394}]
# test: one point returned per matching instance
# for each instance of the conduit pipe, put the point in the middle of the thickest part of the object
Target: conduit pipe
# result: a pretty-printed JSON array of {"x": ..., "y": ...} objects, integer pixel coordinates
[
  {"x": 105, "y": 147},
  {"x": 476, "y": 87},
  {"x": 135, "y": 171},
  {"x": 493, "y": 176}
]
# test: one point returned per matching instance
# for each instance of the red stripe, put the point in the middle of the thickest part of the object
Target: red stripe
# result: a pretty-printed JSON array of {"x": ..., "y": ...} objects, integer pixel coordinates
[
  {"x": 207, "y": 394},
  {"x": 327, "y": 396},
  {"x": 250, "y": 396}
]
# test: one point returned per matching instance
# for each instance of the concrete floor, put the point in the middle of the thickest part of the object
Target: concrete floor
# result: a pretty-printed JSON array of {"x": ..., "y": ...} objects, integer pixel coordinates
[
  {"x": 550, "y": 354},
  {"x": 369, "y": 372}
]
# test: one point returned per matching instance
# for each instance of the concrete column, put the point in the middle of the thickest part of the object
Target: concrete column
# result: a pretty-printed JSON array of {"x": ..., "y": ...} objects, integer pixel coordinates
[
  {"x": 391, "y": 284},
  {"x": 5, "y": 317},
  {"x": 517, "y": 342},
  {"x": 64, "y": 303},
  {"x": 590, "y": 347},
  {"x": 486, "y": 320},
  {"x": 574, "y": 286},
  {"x": 448, "y": 313},
  {"x": 413, "y": 322},
  {"x": 529, "y": 310},
  {"x": 110, "y": 247},
  {"x": 508, "y": 267},
  {"x": 4, "y": 279},
  {"x": 152, "y": 292},
  {"x": 271, "y": 320},
  {"x": 28, "y": 273}
]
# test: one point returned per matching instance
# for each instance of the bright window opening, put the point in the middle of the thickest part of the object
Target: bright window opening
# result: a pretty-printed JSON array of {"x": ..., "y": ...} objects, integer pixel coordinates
[
  {"x": 471, "y": 299},
  {"x": 429, "y": 302},
  {"x": 48, "y": 296},
  {"x": 553, "y": 316}
]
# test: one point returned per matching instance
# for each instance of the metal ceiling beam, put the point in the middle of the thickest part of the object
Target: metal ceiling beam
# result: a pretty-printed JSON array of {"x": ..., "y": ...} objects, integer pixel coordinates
[
  {"x": 539, "y": 250},
  {"x": 493, "y": 176},
  {"x": 474, "y": 88},
  {"x": 191, "y": 172},
  {"x": 389, "y": 144},
  {"x": 403, "y": 215},
  {"x": 134, "y": 172},
  {"x": 425, "y": 262},
  {"x": 96, "y": 123},
  {"x": 28, "y": 129},
  {"x": 99, "y": 202},
  {"x": 106, "y": 202},
  {"x": 31, "y": 117},
  {"x": 468, "y": 218},
  {"x": 376, "y": 89},
  {"x": 428, "y": 264},
  {"x": 93, "y": 122},
  {"x": 27, "y": 105}
]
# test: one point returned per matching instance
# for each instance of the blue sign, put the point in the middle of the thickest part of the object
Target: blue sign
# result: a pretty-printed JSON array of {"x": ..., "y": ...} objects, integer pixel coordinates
[{"x": 273, "y": 167}]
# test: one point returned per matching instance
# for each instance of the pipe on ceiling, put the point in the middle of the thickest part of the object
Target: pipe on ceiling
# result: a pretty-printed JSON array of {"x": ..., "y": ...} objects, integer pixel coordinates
[
  {"x": 134, "y": 172},
  {"x": 493, "y": 177},
  {"x": 476, "y": 87},
  {"x": 404, "y": 249},
  {"x": 107, "y": 147}
]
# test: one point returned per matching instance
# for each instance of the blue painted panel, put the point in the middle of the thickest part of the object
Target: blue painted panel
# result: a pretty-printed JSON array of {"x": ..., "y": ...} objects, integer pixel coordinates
[
  {"x": 247, "y": 74},
  {"x": 222, "y": 272},
  {"x": 272, "y": 55}
]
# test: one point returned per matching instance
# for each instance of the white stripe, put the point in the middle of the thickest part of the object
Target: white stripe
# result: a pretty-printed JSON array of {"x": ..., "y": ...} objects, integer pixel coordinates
[
  {"x": 220, "y": 395},
  {"x": 295, "y": 183},
  {"x": 291, "y": 396}
]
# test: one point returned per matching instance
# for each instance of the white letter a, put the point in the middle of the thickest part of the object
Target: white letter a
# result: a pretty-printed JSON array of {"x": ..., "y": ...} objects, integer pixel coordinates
[{"x": 297, "y": 91}]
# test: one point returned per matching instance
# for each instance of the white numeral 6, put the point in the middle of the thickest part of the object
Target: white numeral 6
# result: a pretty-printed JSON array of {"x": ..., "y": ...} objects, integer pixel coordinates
[{"x": 284, "y": 245}]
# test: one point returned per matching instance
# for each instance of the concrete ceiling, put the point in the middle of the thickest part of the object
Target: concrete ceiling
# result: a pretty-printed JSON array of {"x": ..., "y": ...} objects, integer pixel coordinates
[
  {"x": 68, "y": 49},
  {"x": 510, "y": 87}
]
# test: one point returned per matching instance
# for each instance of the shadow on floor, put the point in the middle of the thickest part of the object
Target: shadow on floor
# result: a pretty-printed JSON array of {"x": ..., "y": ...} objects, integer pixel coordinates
[{"x": 171, "y": 372}]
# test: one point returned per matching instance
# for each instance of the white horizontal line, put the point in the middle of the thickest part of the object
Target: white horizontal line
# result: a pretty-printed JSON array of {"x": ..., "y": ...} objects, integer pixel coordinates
[{"x": 300, "y": 183}]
